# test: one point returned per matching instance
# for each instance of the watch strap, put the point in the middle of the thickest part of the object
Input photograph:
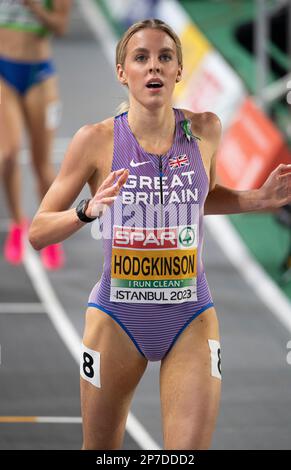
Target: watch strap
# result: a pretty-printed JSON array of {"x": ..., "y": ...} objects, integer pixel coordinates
[{"x": 81, "y": 211}]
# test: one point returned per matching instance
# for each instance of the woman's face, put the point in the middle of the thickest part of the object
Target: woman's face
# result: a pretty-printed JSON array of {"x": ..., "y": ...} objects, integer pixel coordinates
[{"x": 151, "y": 67}]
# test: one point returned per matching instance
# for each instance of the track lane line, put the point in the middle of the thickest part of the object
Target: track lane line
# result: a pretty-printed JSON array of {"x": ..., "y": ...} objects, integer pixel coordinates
[
  {"x": 238, "y": 254},
  {"x": 70, "y": 336},
  {"x": 42, "y": 419},
  {"x": 22, "y": 308}
]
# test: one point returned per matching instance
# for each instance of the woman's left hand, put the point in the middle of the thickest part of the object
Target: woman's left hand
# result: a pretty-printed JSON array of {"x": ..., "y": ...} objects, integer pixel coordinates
[{"x": 276, "y": 191}]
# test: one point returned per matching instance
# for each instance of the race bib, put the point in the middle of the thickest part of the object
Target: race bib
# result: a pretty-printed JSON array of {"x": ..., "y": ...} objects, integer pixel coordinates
[{"x": 154, "y": 265}]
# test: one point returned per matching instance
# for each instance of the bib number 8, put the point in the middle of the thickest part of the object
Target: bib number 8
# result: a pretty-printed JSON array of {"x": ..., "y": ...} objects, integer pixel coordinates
[
  {"x": 88, "y": 362},
  {"x": 90, "y": 366},
  {"x": 215, "y": 355},
  {"x": 219, "y": 360}
]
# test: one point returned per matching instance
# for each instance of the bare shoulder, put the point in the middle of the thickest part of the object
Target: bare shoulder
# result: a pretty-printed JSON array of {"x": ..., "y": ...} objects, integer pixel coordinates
[
  {"x": 205, "y": 125},
  {"x": 91, "y": 135},
  {"x": 91, "y": 141}
]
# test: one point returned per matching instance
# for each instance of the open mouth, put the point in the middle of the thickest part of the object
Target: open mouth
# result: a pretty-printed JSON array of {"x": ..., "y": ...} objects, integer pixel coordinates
[{"x": 154, "y": 85}]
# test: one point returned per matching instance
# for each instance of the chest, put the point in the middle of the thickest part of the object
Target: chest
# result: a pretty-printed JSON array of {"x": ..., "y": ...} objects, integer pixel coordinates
[{"x": 151, "y": 173}]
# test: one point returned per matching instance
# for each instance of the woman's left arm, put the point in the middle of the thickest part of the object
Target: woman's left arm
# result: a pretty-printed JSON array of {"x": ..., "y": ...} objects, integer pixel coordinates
[
  {"x": 56, "y": 19},
  {"x": 274, "y": 193}
]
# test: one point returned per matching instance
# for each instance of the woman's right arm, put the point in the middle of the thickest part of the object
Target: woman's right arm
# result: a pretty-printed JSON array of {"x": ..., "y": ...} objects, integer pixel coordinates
[{"x": 55, "y": 220}]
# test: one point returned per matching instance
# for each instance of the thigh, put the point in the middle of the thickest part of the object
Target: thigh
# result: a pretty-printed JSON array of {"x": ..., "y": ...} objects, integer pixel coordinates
[
  {"x": 105, "y": 409},
  {"x": 11, "y": 120},
  {"x": 189, "y": 389},
  {"x": 41, "y": 108}
]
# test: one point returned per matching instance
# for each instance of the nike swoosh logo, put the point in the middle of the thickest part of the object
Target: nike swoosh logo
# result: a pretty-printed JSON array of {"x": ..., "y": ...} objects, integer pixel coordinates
[{"x": 132, "y": 163}]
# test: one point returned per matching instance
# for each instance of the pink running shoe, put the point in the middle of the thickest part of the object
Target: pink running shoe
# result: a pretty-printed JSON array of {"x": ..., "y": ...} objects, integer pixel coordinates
[
  {"x": 53, "y": 257},
  {"x": 14, "y": 244}
]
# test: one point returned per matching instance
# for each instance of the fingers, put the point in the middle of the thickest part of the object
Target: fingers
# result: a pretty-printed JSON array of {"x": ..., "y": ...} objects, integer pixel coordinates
[
  {"x": 108, "y": 200},
  {"x": 111, "y": 177},
  {"x": 111, "y": 191},
  {"x": 108, "y": 192},
  {"x": 98, "y": 207},
  {"x": 285, "y": 175},
  {"x": 283, "y": 167},
  {"x": 104, "y": 200},
  {"x": 122, "y": 179}
]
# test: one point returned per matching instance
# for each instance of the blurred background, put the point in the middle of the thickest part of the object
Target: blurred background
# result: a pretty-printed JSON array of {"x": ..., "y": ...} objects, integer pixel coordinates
[{"x": 237, "y": 63}]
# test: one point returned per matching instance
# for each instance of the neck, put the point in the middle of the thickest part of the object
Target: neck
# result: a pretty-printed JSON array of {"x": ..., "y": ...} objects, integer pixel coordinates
[{"x": 153, "y": 125}]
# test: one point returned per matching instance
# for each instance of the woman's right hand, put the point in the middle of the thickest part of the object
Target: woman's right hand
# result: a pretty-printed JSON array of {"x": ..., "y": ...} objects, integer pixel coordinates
[{"x": 107, "y": 193}]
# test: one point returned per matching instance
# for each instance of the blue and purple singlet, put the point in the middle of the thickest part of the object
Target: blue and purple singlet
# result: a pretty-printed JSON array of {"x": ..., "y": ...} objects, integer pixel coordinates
[{"x": 153, "y": 283}]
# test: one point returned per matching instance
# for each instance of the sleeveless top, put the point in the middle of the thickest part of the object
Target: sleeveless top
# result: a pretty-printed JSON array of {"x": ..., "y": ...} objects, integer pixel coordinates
[
  {"x": 153, "y": 233},
  {"x": 15, "y": 15}
]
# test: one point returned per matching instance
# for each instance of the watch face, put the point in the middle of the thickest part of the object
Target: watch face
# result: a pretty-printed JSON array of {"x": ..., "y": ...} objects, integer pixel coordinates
[
  {"x": 84, "y": 206},
  {"x": 81, "y": 209}
]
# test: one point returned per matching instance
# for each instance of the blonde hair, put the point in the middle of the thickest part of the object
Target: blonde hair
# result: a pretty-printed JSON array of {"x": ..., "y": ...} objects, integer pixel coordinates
[
  {"x": 153, "y": 23},
  {"x": 123, "y": 107}
]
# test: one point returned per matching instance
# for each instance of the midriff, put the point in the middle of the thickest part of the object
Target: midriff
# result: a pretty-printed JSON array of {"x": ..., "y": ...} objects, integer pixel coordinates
[{"x": 24, "y": 45}]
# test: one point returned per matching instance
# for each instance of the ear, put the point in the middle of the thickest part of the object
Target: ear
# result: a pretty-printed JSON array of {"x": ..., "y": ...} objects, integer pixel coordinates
[
  {"x": 121, "y": 74},
  {"x": 179, "y": 75}
]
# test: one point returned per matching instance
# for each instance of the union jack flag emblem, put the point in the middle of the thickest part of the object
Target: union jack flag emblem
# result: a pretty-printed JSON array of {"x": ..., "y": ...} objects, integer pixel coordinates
[{"x": 177, "y": 162}]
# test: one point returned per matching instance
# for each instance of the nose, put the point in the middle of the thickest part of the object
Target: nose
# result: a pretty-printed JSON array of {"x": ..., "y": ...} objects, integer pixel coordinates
[
  {"x": 154, "y": 69},
  {"x": 154, "y": 66}
]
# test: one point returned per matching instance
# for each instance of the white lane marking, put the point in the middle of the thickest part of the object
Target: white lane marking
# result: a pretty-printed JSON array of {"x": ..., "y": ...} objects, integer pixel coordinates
[
  {"x": 26, "y": 307},
  {"x": 41, "y": 419},
  {"x": 104, "y": 34},
  {"x": 65, "y": 328},
  {"x": 133, "y": 422},
  {"x": 45, "y": 292},
  {"x": 236, "y": 251},
  {"x": 99, "y": 27},
  {"x": 59, "y": 419},
  {"x": 140, "y": 434},
  {"x": 70, "y": 337}
]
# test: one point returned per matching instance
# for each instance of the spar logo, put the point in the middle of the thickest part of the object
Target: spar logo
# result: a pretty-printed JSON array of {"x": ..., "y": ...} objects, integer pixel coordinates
[
  {"x": 142, "y": 238},
  {"x": 187, "y": 236},
  {"x": 139, "y": 238}
]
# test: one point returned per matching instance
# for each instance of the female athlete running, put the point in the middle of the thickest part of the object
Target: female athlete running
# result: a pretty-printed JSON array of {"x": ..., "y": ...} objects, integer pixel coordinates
[
  {"x": 153, "y": 168},
  {"x": 29, "y": 95}
]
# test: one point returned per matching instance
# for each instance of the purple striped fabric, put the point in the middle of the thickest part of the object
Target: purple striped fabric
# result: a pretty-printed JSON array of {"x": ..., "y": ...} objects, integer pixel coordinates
[{"x": 154, "y": 309}]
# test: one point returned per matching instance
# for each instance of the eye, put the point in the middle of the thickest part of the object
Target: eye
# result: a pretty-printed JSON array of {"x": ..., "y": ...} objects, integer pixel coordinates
[
  {"x": 140, "y": 58},
  {"x": 166, "y": 57}
]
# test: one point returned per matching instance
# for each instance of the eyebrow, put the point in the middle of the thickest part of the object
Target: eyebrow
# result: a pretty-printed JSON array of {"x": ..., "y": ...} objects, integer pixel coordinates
[{"x": 143, "y": 49}]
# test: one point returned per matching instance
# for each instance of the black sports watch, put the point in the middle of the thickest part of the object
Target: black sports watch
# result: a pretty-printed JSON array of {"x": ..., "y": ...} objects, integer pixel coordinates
[{"x": 81, "y": 209}]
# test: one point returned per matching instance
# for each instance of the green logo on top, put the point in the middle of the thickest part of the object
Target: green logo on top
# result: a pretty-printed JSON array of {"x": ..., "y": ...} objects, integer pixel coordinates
[
  {"x": 186, "y": 126},
  {"x": 187, "y": 236}
]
